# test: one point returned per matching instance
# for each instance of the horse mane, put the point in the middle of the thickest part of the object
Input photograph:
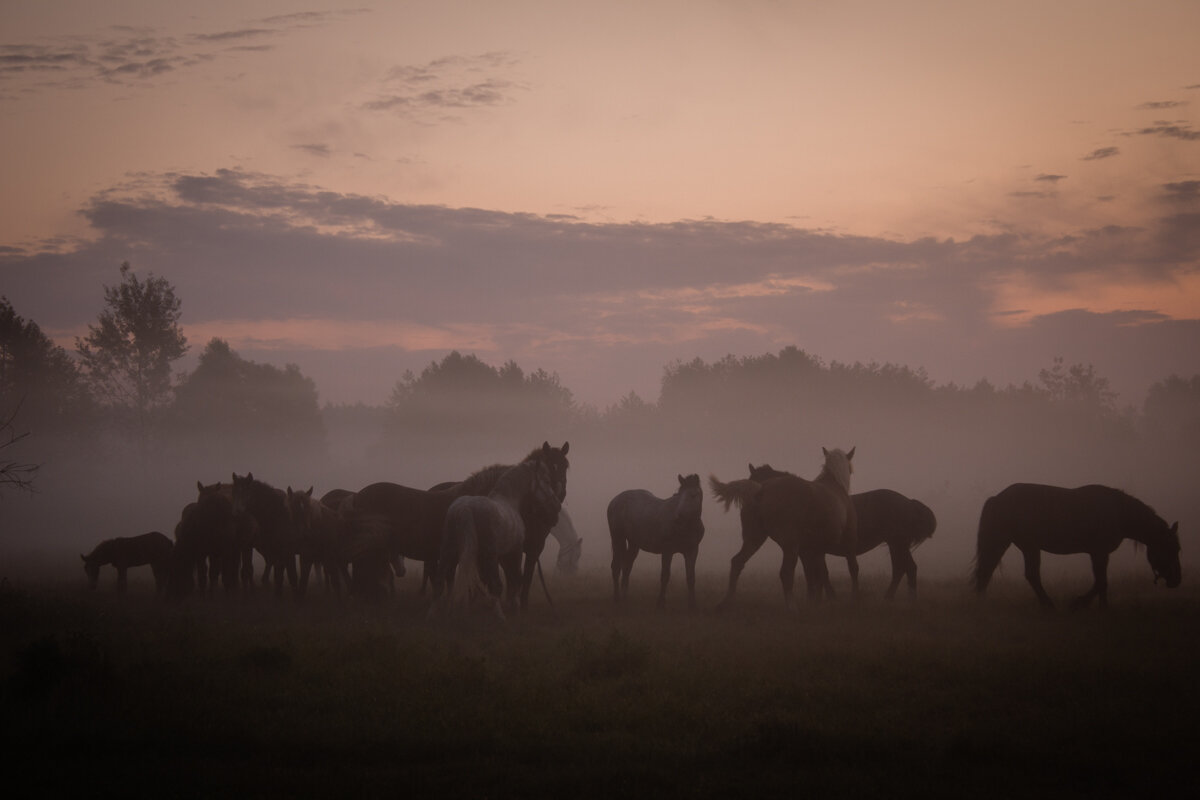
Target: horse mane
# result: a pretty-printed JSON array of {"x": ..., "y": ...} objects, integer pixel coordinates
[
  {"x": 837, "y": 467},
  {"x": 482, "y": 481}
]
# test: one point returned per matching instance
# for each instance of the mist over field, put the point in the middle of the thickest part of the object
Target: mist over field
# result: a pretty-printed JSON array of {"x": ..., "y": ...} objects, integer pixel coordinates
[{"x": 947, "y": 446}]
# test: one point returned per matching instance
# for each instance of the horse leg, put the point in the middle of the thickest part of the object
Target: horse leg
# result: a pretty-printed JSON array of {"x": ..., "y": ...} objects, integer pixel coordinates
[
  {"x": 121, "y": 585},
  {"x": 248, "y": 569},
  {"x": 787, "y": 575},
  {"x": 514, "y": 579},
  {"x": 1033, "y": 565},
  {"x": 895, "y": 552},
  {"x": 665, "y": 577},
  {"x": 290, "y": 565},
  {"x": 750, "y": 544},
  {"x": 631, "y": 553},
  {"x": 816, "y": 575},
  {"x": 306, "y": 565},
  {"x": 852, "y": 565},
  {"x": 689, "y": 566},
  {"x": 1099, "y": 585},
  {"x": 618, "y": 559}
]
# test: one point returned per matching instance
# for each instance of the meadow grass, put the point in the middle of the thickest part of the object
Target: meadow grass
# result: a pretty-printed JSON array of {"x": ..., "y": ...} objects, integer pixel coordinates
[{"x": 934, "y": 695}]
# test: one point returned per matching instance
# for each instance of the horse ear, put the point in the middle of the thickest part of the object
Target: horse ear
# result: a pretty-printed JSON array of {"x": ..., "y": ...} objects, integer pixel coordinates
[
  {"x": 249, "y": 476},
  {"x": 309, "y": 492},
  {"x": 566, "y": 446},
  {"x": 199, "y": 486},
  {"x": 1175, "y": 528},
  {"x": 83, "y": 558},
  {"x": 850, "y": 455},
  {"x": 680, "y": 479},
  {"x": 289, "y": 493},
  {"x": 824, "y": 452},
  {"x": 750, "y": 467}
]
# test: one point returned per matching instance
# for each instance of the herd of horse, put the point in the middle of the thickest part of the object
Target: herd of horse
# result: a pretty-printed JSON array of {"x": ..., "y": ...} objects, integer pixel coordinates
[{"x": 497, "y": 520}]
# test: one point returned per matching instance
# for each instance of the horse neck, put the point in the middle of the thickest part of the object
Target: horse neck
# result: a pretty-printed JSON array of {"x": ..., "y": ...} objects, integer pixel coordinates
[
  {"x": 836, "y": 474},
  {"x": 1144, "y": 526}
]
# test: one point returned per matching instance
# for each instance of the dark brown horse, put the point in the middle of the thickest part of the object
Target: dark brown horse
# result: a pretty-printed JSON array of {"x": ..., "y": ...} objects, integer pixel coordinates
[
  {"x": 245, "y": 532},
  {"x": 124, "y": 552},
  {"x": 884, "y": 517},
  {"x": 317, "y": 529},
  {"x": 206, "y": 546},
  {"x": 1091, "y": 519},
  {"x": 387, "y": 520},
  {"x": 637, "y": 520},
  {"x": 806, "y": 518},
  {"x": 276, "y": 540}
]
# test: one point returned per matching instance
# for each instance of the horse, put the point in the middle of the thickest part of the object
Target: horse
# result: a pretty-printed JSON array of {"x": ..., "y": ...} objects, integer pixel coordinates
[
  {"x": 317, "y": 530},
  {"x": 481, "y": 534},
  {"x": 884, "y": 517},
  {"x": 539, "y": 523},
  {"x": 276, "y": 540},
  {"x": 245, "y": 532},
  {"x": 570, "y": 544},
  {"x": 1090, "y": 519},
  {"x": 387, "y": 520},
  {"x": 637, "y": 520},
  {"x": 123, "y": 552},
  {"x": 206, "y": 545},
  {"x": 806, "y": 518}
]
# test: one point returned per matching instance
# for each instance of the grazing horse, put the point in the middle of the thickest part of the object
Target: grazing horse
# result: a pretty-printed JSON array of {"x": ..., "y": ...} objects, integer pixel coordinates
[
  {"x": 884, "y": 517},
  {"x": 276, "y": 542},
  {"x": 124, "y": 552},
  {"x": 806, "y": 518},
  {"x": 317, "y": 530},
  {"x": 570, "y": 544},
  {"x": 1091, "y": 519},
  {"x": 637, "y": 520},
  {"x": 484, "y": 533}
]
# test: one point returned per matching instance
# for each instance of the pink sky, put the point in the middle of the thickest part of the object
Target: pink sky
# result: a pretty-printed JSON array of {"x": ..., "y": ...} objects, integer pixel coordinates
[{"x": 601, "y": 188}]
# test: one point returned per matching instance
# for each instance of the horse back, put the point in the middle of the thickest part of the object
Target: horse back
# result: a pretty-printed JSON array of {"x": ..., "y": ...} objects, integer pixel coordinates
[{"x": 1057, "y": 519}]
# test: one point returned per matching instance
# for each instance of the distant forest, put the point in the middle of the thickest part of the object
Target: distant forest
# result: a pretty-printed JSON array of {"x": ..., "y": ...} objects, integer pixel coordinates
[{"x": 792, "y": 395}]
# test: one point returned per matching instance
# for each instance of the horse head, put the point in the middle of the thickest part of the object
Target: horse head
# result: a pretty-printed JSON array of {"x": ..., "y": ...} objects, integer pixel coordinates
[
  {"x": 544, "y": 491},
  {"x": 555, "y": 459},
  {"x": 689, "y": 498},
  {"x": 92, "y": 569},
  {"x": 1164, "y": 557},
  {"x": 568, "y": 557},
  {"x": 300, "y": 511},
  {"x": 839, "y": 466}
]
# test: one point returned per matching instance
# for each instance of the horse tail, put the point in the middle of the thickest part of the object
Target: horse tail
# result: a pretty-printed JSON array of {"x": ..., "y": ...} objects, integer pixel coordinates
[
  {"x": 740, "y": 491},
  {"x": 467, "y": 581},
  {"x": 990, "y": 544},
  {"x": 924, "y": 523}
]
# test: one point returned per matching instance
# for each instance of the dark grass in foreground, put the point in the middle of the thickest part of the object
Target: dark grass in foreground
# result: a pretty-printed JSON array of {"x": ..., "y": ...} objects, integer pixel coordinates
[{"x": 941, "y": 695}]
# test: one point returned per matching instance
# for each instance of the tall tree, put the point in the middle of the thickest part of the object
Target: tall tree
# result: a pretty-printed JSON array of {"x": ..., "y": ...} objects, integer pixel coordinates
[
  {"x": 127, "y": 355},
  {"x": 38, "y": 376}
]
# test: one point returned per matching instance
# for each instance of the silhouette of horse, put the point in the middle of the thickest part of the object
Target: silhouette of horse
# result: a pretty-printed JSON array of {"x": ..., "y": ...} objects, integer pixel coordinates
[
  {"x": 206, "y": 545},
  {"x": 1091, "y": 519},
  {"x": 884, "y": 517},
  {"x": 637, "y": 520},
  {"x": 276, "y": 540},
  {"x": 570, "y": 544},
  {"x": 387, "y": 520},
  {"x": 124, "y": 552},
  {"x": 245, "y": 532},
  {"x": 317, "y": 530},
  {"x": 484, "y": 533},
  {"x": 806, "y": 518}
]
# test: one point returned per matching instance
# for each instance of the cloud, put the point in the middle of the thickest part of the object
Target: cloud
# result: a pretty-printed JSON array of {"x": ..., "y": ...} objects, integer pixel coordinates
[
  {"x": 1170, "y": 130},
  {"x": 133, "y": 55},
  {"x": 287, "y": 267},
  {"x": 447, "y": 83},
  {"x": 1160, "y": 105},
  {"x": 1182, "y": 191},
  {"x": 1046, "y": 178},
  {"x": 1102, "y": 153},
  {"x": 319, "y": 150}
]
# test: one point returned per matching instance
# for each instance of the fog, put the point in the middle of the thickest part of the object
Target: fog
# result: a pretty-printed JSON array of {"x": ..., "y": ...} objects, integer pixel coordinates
[{"x": 949, "y": 447}]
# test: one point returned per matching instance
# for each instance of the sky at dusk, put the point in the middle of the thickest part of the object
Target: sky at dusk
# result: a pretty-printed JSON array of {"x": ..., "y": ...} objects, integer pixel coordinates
[{"x": 601, "y": 188}]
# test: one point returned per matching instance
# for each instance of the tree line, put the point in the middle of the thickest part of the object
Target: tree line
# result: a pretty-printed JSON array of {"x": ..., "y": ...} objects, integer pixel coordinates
[{"x": 118, "y": 389}]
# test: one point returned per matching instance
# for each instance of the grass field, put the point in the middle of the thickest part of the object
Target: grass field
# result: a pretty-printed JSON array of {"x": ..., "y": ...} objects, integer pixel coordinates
[{"x": 941, "y": 695}]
